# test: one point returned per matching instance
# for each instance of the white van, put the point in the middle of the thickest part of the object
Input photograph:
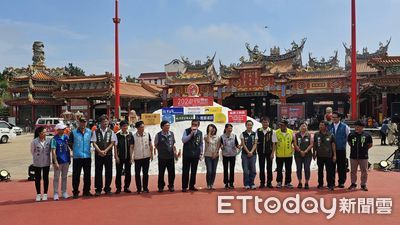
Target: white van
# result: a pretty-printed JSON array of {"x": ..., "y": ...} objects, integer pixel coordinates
[
  {"x": 6, "y": 133},
  {"x": 49, "y": 123}
]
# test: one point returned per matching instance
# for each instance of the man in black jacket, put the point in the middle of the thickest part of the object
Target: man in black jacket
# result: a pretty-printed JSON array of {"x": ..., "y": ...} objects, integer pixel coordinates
[
  {"x": 264, "y": 150},
  {"x": 192, "y": 151},
  {"x": 360, "y": 142},
  {"x": 123, "y": 157}
]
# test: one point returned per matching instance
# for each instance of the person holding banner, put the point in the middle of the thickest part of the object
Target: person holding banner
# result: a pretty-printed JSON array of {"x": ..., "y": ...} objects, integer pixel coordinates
[
  {"x": 249, "y": 147},
  {"x": 192, "y": 151},
  {"x": 230, "y": 147}
]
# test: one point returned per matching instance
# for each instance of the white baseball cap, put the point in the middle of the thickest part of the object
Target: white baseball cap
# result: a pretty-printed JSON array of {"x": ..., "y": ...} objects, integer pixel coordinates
[{"x": 60, "y": 126}]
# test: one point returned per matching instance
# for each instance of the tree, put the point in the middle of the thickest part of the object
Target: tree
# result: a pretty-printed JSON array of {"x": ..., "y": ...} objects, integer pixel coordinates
[
  {"x": 74, "y": 70},
  {"x": 131, "y": 79}
]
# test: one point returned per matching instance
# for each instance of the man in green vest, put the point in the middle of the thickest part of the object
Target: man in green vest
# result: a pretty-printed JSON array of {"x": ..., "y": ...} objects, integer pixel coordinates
[{"x": 284, "y": 153}]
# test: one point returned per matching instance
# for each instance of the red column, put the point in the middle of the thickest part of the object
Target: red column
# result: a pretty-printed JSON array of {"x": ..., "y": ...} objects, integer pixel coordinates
[
  {"x": 354, "y": 87},
  {"x": 116, "y": 20},
  {"x": 33, "y": 114},
  {"x": 384, "y": 104}
]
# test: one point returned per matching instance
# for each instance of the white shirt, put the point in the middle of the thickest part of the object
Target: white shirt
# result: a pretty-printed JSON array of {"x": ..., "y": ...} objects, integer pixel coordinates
[
  {"x": 103, "y": 132},
  {"x": 336, "y": 125}
]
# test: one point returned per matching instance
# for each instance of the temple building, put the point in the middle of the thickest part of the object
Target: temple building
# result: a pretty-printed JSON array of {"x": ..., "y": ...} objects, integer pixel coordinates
[{"x": 39, "y": 91}]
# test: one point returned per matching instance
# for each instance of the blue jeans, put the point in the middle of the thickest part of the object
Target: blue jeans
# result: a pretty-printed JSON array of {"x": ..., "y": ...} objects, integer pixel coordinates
[
  {"x": 249, "y": 169},
  {"x": 211, "y": 165}
]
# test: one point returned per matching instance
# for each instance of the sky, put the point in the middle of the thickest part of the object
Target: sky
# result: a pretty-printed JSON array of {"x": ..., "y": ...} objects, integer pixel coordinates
[{"x": 154, "y": 32}]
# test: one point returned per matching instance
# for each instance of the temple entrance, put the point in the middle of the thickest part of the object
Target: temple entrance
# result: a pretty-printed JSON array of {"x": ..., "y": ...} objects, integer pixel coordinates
[{"x": 257, "y": 104}]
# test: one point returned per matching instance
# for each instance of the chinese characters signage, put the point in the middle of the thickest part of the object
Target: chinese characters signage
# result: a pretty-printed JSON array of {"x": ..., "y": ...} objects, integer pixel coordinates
[
  {"x": 151, "y": 118},
  {"x": 237, "y": 116},
  {"x": 193, "y": 101}
]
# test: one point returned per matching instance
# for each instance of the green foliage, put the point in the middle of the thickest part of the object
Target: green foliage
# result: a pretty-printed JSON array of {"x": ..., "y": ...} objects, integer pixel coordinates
[
  {"x": 131, "y": 79},
  {"x": 74, "y": 70}
]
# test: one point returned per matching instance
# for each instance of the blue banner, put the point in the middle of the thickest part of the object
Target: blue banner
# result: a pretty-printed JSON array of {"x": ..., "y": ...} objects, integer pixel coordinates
[
  {"x": 205, "y": 117},
  {"x": 168, "y": 117},
  {"x": 172, "y": 111}
]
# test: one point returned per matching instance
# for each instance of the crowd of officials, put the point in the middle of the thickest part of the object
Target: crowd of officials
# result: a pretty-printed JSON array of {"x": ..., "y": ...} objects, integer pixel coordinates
[{"x": 327, "y": 147}]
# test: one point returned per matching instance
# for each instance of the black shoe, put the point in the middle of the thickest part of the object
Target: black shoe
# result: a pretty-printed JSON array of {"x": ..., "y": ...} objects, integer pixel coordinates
[
  {"x": 127, "y": 190},
  {"x": 108, "y": 193},
  {"x": 270, "y": 185},
  {"x": 300, "y": 186},
  {"x": 138, "y": 192},
  {"x": 118, "y": 191},
  {"x": 193, "y": 189},
  {"x": 160, "y": 190},
  {"x": 331, "y": 188},
  {"x": 262, "y": 186},
  {"x": 75, "y": 196},
  {"x": 352, "y": 187},
  {"x": 97, "y": 193},
  {"x": 226, "y": 186},
  {"x": 88, "y": 194},
  {"x": 184, "y": 190},
  {"x": 306, "y": 186},
  {"x": 320, "y": 186},
  {"x": 231, "y": 186},
  {"x": 171, "y": 189},
  {"x": 341, "y": 186},
  {"x": 146, "y": 190},
  {"x": 364, "y": 188}
]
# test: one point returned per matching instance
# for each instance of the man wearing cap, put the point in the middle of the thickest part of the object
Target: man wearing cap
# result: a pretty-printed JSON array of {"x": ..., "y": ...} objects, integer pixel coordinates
[
  {"x": 123, "y": 157},
  {"x": 103, "y": 140},
  {"x": 61, "y": 160},
  {"x": 283, "y": 149},
  {"x": 360, "y": 142},
  {"x": 79, "y": 141}
]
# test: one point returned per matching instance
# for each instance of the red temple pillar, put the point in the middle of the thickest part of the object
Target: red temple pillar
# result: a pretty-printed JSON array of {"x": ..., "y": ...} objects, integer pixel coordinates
[
  {"x": 164, "y": 97},
  {"x": 145, "y": 107},
  {"x": 33, "y": 114},
  {"x": 373, "y": 108},
  {"x": 384, "y": 104}
]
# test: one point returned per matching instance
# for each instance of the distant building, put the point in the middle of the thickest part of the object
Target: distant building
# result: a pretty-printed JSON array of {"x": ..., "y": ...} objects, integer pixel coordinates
[{"x": 153, "y": 78}]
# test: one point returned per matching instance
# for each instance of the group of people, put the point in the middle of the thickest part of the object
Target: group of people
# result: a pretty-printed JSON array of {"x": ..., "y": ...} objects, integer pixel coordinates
[
  {"x": 327, "y": 147},
  {"x": 389, "y": 131}
]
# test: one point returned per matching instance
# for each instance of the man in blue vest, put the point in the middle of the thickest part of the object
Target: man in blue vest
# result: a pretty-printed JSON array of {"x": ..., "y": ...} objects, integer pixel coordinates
[
  {"x": 79, "y": 141},
  {"x": 340, "y": 130}
]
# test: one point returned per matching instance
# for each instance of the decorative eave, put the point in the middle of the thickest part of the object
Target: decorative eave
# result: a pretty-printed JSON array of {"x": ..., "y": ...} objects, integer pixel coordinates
[
  {"x": 384, "y": 61},
  {"x": 17, "y": 102},
  {"x": 83, "y": 94},
  {"x": 322, "y": 65},
  {"x": 381, "y": 51},
  {"x": 92, "y": 78}
]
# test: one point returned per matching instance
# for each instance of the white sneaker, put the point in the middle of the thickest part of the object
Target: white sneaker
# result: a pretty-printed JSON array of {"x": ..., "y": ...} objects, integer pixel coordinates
[
  {"x": 253, "y": 187},
  {"x": 55, "y": 197},
  {"x": 247, "y": 187},
  {"x": 65, "y": 195},
  {"x": 38, "y": 197},
  {"x": 44, "y": 197}
]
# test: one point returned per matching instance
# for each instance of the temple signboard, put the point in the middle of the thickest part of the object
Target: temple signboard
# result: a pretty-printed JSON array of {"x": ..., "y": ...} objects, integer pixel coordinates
[{"x": 192, "y": 101}]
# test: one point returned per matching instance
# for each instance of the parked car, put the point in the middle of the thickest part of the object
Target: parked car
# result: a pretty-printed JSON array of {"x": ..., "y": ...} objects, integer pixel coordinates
[
  {"x": 17, "y": 130},
  {"x": 49, "y": 123},
  {"x": 5, "y": 132}
]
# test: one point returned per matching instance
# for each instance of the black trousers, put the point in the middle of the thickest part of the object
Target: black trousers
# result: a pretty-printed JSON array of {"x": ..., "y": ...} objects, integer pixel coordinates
[
  {"x": 262, "y": 158},
  {"x": 101, "y": 162},
  {"x": 340, "y": 166},
  {"x": 38, "y": 178},
  {"x": 383, "y": 138},
  {"x": 330, "y": 172},
  {"x": 189, "y": 164},
  {"x": 229, "y": 175},
  {"x": 119, "y": 166},
  {"x": 77, "y": 166},
  {"x": 142, "y": 165},
  {"x": 168, "y": 164},
  {"x": 288, "y": 169}
]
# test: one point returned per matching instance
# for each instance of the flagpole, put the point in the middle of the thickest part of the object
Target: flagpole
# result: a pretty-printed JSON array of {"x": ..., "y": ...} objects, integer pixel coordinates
[
  {"x": 354, "y": 89},
  {"x": 117, "y": 20}
]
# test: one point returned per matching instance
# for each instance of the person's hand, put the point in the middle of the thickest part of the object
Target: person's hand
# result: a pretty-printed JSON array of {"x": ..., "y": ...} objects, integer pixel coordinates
[
  {"x": 272, "y": 156},
  {"x": 117, "y": 160},
  {"x": 249, "y": 154},
  {"x": 314, "y": 157},
  {"x": 302, "y": 153},
  {"x": 56, "y": 166},
  {"x": 334, "y": 158},
  {"x": 151, "y": 158}
]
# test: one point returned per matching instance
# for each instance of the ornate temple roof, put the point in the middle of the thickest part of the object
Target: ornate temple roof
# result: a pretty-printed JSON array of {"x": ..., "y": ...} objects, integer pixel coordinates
[
  {"x": 385, "y": 61},
  {"x": 323, "y": 65},
  {"x": 199, "y": 73},
  {"x": 135, "y": 90}
]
